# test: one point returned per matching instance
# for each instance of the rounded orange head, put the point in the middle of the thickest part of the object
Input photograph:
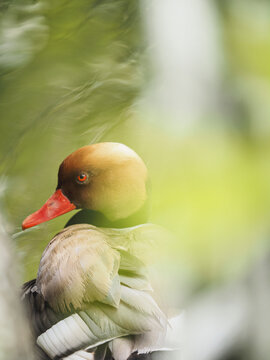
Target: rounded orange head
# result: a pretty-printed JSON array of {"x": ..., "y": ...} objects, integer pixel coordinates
[{"x": 106, "y": 177}]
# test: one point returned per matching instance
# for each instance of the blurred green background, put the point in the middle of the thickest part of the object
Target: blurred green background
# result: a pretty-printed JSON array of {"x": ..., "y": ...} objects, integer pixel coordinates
[{"x": 80, "y": 72}]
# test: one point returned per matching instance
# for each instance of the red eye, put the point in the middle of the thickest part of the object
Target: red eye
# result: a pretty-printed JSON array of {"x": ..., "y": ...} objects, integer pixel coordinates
[{"x": 82, "y": 177}]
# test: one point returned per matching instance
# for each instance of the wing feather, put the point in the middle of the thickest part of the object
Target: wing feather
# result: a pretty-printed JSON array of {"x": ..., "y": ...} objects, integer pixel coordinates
[
  {"x": 78, "y": 269},
  {"x": 91, "y": 288}
]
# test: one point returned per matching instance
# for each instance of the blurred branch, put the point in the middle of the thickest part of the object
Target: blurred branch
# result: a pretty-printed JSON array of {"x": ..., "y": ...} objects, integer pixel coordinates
[{"x": 14, "y": 332}]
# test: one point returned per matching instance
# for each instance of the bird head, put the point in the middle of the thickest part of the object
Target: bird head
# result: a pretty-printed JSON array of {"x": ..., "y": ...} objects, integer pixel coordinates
[{"x": 106, "y": 177}]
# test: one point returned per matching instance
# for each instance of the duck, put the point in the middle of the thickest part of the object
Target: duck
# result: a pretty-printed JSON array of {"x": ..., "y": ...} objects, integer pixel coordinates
[{"x": 92, "y": 295}]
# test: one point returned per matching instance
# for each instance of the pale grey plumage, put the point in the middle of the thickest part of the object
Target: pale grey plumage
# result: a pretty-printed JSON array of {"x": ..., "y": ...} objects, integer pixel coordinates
[{"x": 93, "y": 275}]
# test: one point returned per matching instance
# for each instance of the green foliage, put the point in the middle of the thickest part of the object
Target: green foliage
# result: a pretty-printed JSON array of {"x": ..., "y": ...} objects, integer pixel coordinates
[{"x": 72, "y": 73}]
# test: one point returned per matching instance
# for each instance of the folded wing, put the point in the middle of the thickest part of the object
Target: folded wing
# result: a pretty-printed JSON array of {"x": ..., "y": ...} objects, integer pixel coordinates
[{"x": 88, "y": 293}]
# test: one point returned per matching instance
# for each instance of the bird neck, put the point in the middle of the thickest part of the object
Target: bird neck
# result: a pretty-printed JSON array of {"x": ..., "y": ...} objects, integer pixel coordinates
[{"x": 96, "y": 218}]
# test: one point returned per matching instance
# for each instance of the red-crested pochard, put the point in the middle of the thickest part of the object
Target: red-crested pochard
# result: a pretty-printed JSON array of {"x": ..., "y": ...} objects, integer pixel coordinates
[{"x": 92, "y": 291}]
